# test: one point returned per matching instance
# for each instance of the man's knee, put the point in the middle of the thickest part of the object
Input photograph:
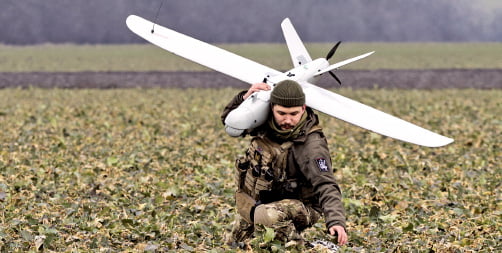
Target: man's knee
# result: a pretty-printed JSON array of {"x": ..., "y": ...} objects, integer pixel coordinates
[{"x": 267, "y": 216}]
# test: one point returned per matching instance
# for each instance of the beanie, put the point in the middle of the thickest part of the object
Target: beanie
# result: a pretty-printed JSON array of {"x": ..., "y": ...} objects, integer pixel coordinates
[{"x": 288, "y": 93}]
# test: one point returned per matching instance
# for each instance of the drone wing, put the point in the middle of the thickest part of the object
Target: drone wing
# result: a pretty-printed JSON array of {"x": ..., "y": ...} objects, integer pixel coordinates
[
  {"x": 200, "y": 52},
  {"x": 342, "y": 63},
  {"x": 370, "y": 118}
]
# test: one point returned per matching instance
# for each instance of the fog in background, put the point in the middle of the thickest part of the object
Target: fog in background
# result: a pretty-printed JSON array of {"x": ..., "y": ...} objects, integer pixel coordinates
[{"x": 230, "y": 21}]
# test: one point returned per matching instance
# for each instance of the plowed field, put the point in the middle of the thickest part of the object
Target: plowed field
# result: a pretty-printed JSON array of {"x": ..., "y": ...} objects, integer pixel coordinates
[{"x": 415, "y": 79}]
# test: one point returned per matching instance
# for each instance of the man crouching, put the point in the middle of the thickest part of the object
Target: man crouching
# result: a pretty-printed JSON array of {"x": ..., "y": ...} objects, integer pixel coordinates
[{"x": 285, "y": 181}]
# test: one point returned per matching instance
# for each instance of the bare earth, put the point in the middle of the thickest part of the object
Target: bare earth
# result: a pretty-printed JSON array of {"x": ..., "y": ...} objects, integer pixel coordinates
[{"x": 402, "y": 79}]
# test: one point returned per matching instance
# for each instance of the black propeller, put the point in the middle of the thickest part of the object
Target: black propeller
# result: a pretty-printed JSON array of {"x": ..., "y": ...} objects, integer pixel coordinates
[
  {"x": 334, "y": 76},
  {"x": 332, "y": 51},
  {"x": 330, "y": 54}
]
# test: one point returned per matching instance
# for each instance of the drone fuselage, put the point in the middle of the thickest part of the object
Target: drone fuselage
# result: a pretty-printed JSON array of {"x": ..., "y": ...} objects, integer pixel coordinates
[{"x": 255, "y": 109}]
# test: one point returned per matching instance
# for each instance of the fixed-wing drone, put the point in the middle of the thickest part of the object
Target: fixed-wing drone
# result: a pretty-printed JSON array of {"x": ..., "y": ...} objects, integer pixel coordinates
[{"x": 254, "y": 110}]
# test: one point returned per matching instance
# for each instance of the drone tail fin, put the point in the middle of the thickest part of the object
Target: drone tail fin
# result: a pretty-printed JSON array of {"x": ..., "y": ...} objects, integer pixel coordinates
[{"x": 299, "y": 54}]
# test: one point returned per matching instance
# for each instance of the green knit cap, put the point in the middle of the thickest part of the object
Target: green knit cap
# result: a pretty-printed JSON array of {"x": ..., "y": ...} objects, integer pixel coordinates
[{"x": 288, "y": 93}]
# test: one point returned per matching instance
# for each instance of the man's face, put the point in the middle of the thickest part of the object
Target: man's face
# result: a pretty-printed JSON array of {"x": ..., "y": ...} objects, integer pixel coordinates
[{"x": 287, "y": 117}]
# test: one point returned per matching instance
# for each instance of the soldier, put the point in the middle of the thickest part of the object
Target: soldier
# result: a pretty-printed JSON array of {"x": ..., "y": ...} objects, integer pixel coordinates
[{"x": 285, "y": 181}]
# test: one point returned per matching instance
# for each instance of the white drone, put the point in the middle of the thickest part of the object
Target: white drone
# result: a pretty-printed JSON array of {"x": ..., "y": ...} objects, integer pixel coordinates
[{"x": 254, "y": 110}]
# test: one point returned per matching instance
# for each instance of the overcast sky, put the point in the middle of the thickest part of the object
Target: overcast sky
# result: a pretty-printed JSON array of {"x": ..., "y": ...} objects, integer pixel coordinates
[{"x": 103, "y": 21}]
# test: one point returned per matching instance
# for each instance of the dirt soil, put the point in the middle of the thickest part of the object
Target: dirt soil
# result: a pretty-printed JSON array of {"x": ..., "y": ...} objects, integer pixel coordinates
[{"x": 403, "y": 79}]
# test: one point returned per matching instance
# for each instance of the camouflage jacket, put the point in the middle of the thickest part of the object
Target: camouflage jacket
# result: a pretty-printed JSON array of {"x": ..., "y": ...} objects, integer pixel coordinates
[{"x": 309, "y": 163}]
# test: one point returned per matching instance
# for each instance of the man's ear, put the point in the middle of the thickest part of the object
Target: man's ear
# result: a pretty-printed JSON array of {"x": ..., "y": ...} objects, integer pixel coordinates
[{"x": 304, "y": 107}]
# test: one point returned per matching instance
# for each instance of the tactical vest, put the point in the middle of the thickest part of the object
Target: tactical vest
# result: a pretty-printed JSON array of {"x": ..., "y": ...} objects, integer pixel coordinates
[
  {"x": 262, "y": 171},
  {"x": 266, "y": 163}
]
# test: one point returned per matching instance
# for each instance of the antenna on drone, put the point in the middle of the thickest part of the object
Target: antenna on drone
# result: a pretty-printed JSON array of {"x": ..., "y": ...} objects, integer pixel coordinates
[{"x": 157, "y": 15}]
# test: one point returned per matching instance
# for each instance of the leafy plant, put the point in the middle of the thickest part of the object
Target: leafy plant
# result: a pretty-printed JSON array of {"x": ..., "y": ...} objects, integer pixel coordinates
[{"x": 152, "y": 170}]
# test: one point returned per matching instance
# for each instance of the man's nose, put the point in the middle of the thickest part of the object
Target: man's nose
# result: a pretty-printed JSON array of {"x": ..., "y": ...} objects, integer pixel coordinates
[{"x": 287, "y": 119}]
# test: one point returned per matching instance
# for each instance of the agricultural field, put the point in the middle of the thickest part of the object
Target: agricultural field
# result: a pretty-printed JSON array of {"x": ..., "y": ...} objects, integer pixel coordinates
[
  {"x": 141, "y": 57},
  {"x": 152, "y": 169}
]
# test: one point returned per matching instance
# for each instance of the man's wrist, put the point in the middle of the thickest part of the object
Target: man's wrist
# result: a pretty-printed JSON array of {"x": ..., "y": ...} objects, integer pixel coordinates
[{"x": 335, "y": 223}]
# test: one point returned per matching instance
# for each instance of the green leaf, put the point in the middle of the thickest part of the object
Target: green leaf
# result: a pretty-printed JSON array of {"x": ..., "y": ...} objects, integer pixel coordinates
[
  {"x": 111, "y": 161},
  {"x": 27, "y": 236},
  {"x": 269, "y": 235},
  {"x": 388, "y": 218},
  {"x": 408, "y": 228},
  {"x": 458, "y": 211},
  {"x": 127, "y": 222}
]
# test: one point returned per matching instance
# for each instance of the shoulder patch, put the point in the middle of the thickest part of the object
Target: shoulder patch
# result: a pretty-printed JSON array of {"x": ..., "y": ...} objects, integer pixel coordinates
[{"x": 322, "y": 164}]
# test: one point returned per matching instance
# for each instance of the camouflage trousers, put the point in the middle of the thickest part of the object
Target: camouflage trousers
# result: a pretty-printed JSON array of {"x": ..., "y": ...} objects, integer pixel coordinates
[{"x": 288, "y": 218}]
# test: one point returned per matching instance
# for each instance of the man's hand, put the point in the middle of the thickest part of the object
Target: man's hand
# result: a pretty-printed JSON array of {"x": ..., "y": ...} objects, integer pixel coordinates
[
  {"x": 256, "y": 87},
  {"x": 342, "y": 235}
]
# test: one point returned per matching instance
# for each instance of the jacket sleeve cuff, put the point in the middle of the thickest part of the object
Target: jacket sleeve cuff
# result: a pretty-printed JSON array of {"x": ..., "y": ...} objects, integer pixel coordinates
[{"x": 240, "y": 97}]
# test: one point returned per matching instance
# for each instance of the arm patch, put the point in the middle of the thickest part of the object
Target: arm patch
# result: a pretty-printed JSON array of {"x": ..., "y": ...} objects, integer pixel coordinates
[{"x": 322, "y": 164}]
